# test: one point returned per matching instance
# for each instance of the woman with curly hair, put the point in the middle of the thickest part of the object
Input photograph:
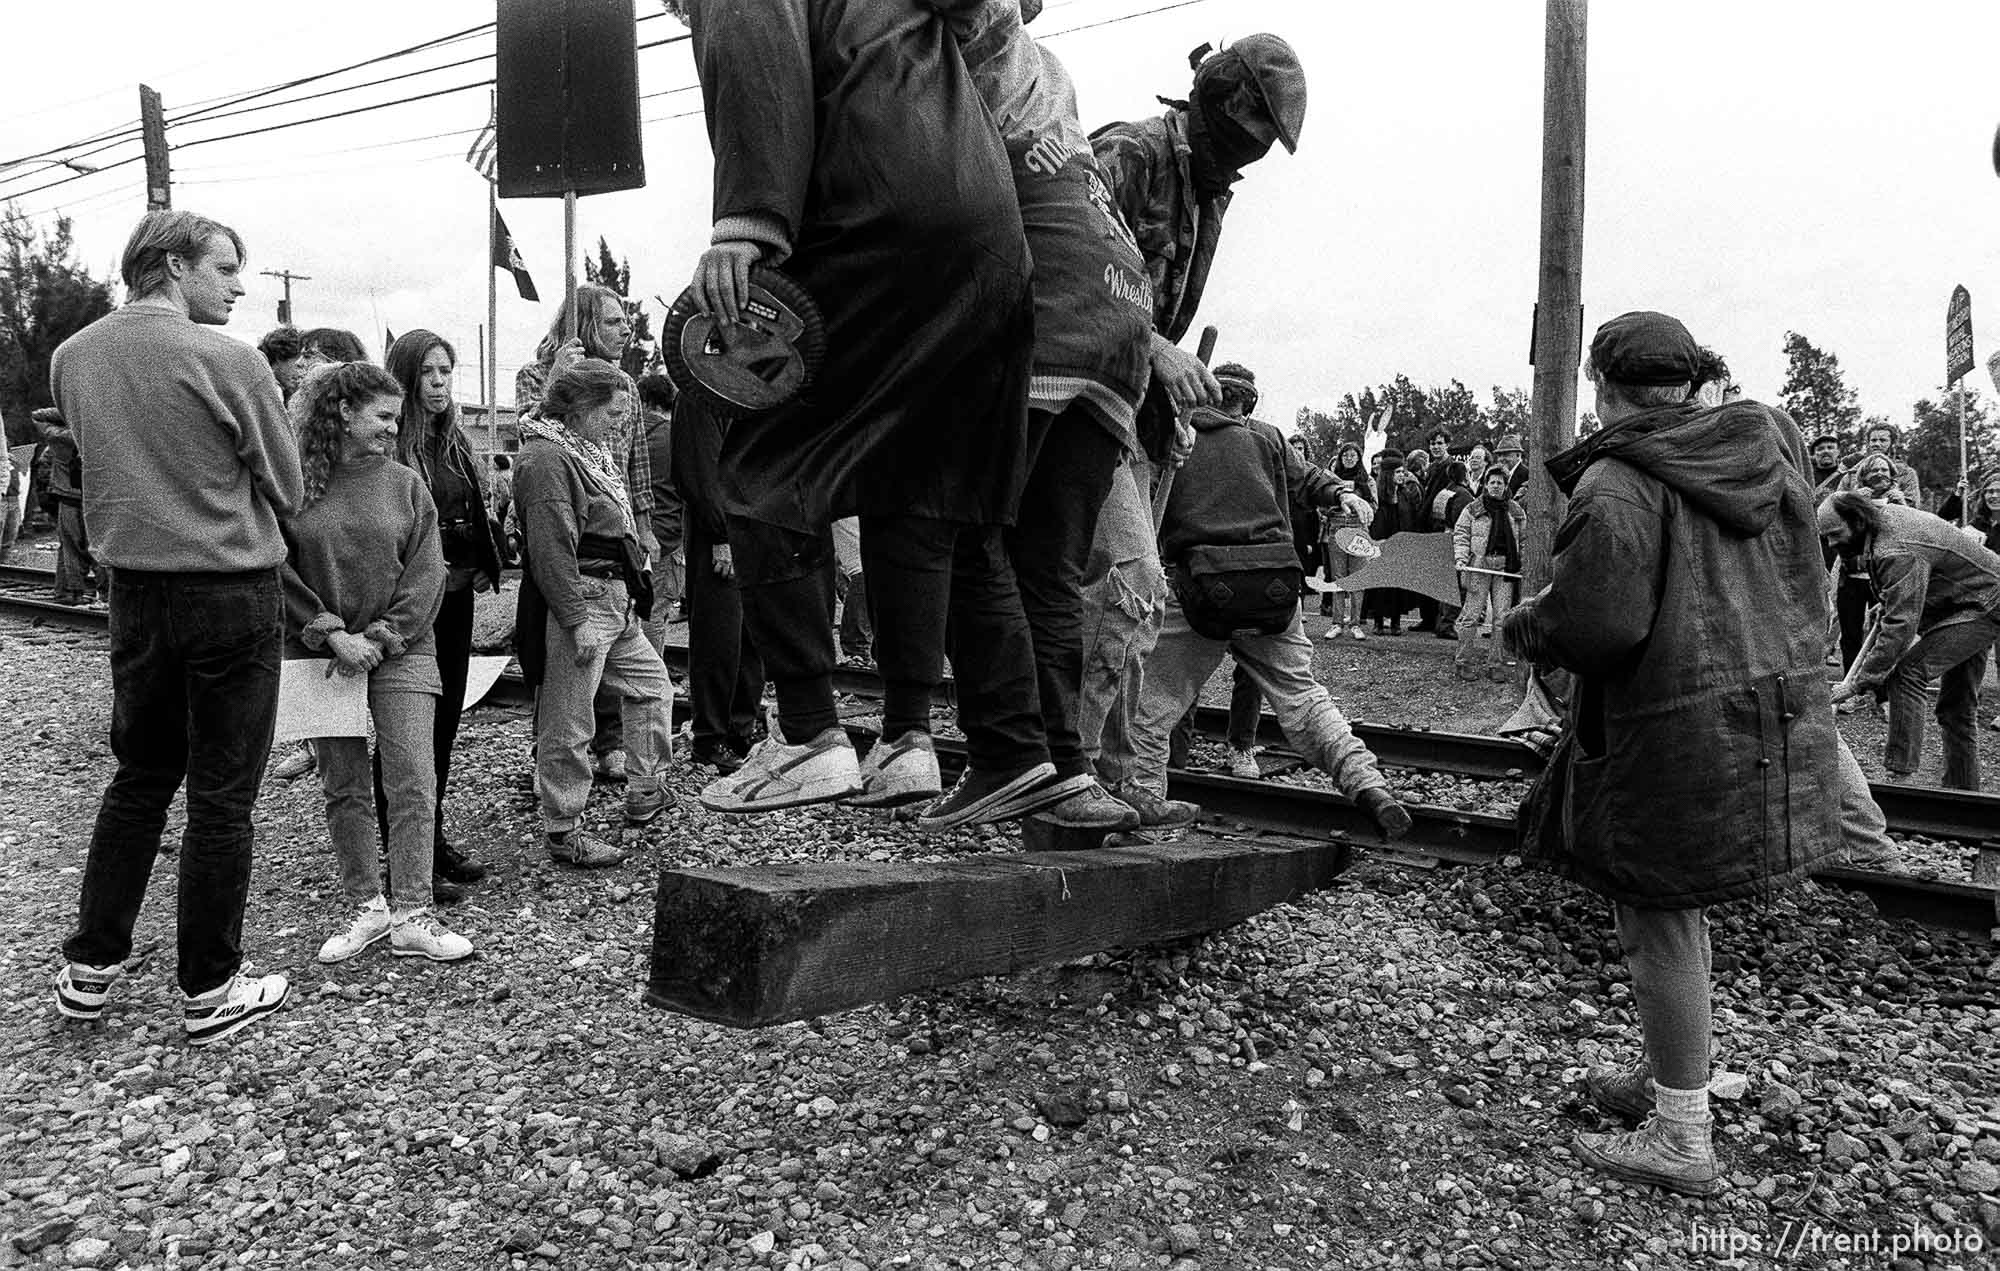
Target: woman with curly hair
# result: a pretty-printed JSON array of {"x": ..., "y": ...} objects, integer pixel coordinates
[
  {"x": 429, "y": 441},
  {"x": 363, "y": 579}
]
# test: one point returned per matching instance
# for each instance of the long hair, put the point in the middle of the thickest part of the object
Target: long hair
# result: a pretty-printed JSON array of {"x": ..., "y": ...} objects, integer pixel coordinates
[
  {"x": 423, "y": 438},
  {"x": 317, "y": 421},
  {"x": 589, "y": 303}
]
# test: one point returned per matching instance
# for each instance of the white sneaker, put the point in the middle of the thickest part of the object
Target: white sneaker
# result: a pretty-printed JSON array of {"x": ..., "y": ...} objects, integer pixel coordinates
[
  {"x": 242, "y": 1000},
  {"x": 1243, "y": 764},
  {"x": 81, "y": 989},
  {"x": 1334, "y": 632},
  {"x": 417, "y": 933},
  {"x": 901, "y": 771},
  {"x": 371, "y": 923},
  {"x": 780, "y": 776}
]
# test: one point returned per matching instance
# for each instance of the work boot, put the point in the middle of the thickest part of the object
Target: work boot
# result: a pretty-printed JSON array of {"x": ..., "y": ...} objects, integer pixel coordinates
[
  {"x": 1625, "y": 1092},
  {"x": 1156, "y": 812},
  {"x": 452, "y": 865},
  {"x": 1676, "y": 1155},
  {"x": 1390, "y": 817}
]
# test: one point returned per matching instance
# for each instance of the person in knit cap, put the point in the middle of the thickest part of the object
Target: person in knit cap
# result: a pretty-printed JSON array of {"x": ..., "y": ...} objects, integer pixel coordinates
[
  {"x": 1226, "y": 537},
  {"x": 1686, "y": 598},
  {"x": 1171, "y": 178}
]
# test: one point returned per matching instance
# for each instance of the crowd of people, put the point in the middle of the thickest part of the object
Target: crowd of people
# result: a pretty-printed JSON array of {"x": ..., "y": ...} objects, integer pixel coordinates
[{"x": 1008, "y": 459}]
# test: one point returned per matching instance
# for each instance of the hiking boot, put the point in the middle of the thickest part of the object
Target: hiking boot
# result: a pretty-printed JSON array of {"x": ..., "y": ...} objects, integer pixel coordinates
[
  {"x": 717, "y": 756},
  {"x": 454, "y": 866},
  {"x": 1390, "y": 817},
  {"x": 1243, "y": 764},
  {"x": 897, "y": 772},
  {"x": 1156, "y": 812},
  {"x": 81, "y": 989},
  {"x": 417, "y": 933},
  {"x": 370, "y": 923},
  {"x": 1625, "y": 1092},
  {"x": 238, "y": 1002},
  {"x": 302, "y": 760},
  {"x": 644, "y": 807},
  {"x": 443, "y": 890},
  {"x": 777, "y": 775},
  {"x": 1091, "y": 808},
  {"x": 1676, "y": 1155},
  {"x": 608, "y": 768},
  {"x": 582, "y": 849},
  {"x": 986, "y": 798}
]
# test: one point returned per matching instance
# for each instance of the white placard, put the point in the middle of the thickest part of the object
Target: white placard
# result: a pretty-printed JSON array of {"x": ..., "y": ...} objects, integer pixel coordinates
[
  {"x": 312, "y": 703},
  {"x": 481, "y": 674}
]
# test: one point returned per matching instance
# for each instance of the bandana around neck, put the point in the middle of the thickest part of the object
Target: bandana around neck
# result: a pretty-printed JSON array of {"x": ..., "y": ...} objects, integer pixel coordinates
[{"x": 594, "y": 459}]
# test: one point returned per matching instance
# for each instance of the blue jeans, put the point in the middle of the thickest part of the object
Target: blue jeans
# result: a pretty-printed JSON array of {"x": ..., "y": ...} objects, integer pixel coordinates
[
  {"x": 403, "y": 702},
  {"x": 194, "y": 689},
  {"x": 1955, "y": 656}
]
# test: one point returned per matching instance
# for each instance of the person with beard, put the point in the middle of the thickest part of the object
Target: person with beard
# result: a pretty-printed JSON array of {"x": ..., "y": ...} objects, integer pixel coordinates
[
  {"x": 1171, "y": 178},
  {"x": 1879, "y": 439},
  {"x": 1939, "y": 592},
  {"x": 1686, "y": 599},
  {"x": 1401, "y": 510},
  {"x": 1345, "y": 607}
]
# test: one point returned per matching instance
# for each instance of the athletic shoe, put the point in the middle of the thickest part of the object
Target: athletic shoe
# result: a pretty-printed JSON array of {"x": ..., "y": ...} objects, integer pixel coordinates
[
  {"x": 1243, "y": 764},
  {"x": 985, "y": 798},
  {"x": 1091, "y": 808},
  {"x": 302, "y": 760},
  {"x": 780, "y": 776},
  {"x": 642, "y": 808},
  {"x": 240, "y": 1001},
  {"x": 897, "y": 772},
  {"x": 1156, "y": 812},
  {"x": 608, "y": 768},
  {"x": 1625, "y": 1092},
  {"x": 1670, "y": 1154},
  {"x": 81, "y": 989},
  {"x": 371, "y": 923},
  {"x": 716, "y": 755},
  {"x": 454, "y": 866},
  {"x": 1333, "y": 632},
  {"x": 1358, "y": 631},
  {"x": 419, "y": 934},
  {"x": 582, "y": 849},
  {"x": 1390, "y": 817}
]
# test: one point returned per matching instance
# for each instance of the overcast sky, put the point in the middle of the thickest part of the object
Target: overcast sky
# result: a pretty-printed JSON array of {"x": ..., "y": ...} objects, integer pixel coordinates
[{"x": 1752, "y": 168}]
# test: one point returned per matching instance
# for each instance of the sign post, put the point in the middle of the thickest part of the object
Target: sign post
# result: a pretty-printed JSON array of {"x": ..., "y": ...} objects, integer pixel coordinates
[{"x": 1958, "y": 363}]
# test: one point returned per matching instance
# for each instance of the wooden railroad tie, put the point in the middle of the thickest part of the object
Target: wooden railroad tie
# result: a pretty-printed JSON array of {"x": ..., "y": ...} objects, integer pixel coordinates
[{"x": 775, "y": 943}]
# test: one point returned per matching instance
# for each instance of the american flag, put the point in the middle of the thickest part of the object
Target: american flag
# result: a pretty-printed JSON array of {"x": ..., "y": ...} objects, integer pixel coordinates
[{"x": 485, "y": 148}]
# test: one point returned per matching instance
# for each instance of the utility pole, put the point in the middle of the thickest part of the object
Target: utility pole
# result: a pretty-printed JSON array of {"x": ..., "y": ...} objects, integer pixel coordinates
[
  {"x": 285, "y": 305},
  {"x": 153, "y": 134},
  {"x": 1559, "y": 305}
]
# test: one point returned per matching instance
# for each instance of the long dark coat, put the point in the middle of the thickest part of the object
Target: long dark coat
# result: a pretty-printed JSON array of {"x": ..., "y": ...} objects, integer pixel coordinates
[{"x": 855, "y": 124}]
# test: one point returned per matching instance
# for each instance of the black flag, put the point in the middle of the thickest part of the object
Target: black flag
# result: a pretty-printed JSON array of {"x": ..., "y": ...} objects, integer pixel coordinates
[{"x": 508, "y": 257}]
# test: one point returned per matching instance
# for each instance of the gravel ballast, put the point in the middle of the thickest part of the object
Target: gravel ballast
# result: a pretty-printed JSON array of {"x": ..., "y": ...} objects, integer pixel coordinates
[{"x": 1384, "y": 1075}]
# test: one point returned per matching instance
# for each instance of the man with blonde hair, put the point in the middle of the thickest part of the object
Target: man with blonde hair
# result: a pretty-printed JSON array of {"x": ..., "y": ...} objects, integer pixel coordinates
[{"x": 191, "y": 466}]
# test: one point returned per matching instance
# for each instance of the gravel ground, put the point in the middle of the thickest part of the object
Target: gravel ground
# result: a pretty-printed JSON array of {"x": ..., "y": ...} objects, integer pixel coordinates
[{"x": 1382, "y": 1075}]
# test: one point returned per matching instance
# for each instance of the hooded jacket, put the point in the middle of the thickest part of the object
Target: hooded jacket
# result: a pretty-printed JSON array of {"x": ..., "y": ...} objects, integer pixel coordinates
[
  {"x": 1238, "y": 487},
  {"x": 1927, "y": 574},
  {"x": 1688, "y": 599}
]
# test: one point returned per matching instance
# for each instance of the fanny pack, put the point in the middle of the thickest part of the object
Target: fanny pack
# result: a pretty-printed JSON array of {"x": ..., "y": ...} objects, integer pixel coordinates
[{"x": 1250, "y": 589}]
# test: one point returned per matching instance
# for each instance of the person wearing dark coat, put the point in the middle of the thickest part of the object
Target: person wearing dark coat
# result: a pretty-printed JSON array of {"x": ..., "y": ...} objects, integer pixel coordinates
[
  {"x": 1687, "y": 600},
  {"x": 725, "y": 675},
  {"x": 1401, "y": 509},
  {"x": 1448, "y": 498},
  {"x": 854, "y": 153}
]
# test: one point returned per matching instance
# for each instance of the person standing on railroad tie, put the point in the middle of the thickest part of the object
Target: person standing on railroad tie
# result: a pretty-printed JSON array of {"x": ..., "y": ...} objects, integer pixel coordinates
[
  {"x": 1939, "y": 590},
  {"x": 1686, "y": 597},
  {"x": 191, "y": 466}
]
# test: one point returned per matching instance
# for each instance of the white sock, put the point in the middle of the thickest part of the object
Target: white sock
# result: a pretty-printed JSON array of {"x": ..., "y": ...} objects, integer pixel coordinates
[{"x": 1689, "y": 1107}]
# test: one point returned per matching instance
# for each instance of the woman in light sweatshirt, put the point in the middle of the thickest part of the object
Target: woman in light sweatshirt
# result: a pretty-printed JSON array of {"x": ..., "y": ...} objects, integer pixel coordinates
[{"x": 364, "y": 577}]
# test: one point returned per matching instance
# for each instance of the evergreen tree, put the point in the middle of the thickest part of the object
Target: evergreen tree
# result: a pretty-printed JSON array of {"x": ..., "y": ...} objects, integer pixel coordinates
[
  {"x": 1816, "y": 396},
  {"x": 609, "y": 271},
  {"x": 45, "y": 297}
]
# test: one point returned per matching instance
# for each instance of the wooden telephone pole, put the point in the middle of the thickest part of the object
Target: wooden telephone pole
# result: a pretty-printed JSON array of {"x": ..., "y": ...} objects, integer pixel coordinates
[
  {"x": 285, "y": 305},
  {"x": 153, "y": 137},
  {"x": 1559, "y": 303}
]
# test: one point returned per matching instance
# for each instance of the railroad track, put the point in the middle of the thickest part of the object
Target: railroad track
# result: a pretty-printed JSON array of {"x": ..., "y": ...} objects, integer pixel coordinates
[{"x": 1271, "y": 809}]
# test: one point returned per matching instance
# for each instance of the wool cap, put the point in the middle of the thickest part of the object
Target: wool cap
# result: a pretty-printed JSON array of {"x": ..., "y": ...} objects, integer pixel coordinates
[
  {"x": 1234, "y": 376},
  {"x": 1644, "y": 348}
]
